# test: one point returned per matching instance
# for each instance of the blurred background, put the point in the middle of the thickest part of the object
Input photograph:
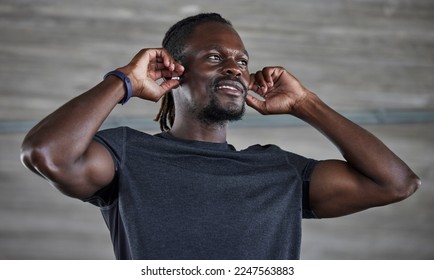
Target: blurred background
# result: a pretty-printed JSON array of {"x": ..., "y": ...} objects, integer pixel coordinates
[{"x": 371, "y": 60}]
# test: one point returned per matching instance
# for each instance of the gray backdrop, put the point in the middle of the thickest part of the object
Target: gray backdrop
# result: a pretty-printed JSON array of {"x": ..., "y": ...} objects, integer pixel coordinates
[{"x": 371, "y": 60}]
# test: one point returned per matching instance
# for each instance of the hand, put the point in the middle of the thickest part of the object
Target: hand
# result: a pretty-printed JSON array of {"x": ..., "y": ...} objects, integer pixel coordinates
[
  {"x": 282, "y": 92},
  {"x": 147, "y": 67}
]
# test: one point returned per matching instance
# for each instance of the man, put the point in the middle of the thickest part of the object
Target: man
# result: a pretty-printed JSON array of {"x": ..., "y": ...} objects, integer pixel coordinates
[{"x": 187, "y": 194}]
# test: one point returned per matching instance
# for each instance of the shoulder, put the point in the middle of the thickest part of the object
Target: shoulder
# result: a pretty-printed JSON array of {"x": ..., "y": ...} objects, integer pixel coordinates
[
  {"x": 110, "y": 133},
  {"x": 122, "y": 133},
  {"x": 116, "y": 139},
  {"x": 116, "y": 131},
  {"x": 272, "y": 149},
  {"x": 303, "y": 164}
]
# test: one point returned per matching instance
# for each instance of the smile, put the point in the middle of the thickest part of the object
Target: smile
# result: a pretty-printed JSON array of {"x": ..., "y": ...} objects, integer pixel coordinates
[
  {"x": 227, "y": 87},
  {"x": 230, "y": 87}
]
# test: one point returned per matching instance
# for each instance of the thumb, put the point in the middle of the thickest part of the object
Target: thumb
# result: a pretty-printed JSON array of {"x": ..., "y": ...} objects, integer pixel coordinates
[{"x": 168, "y": 85}]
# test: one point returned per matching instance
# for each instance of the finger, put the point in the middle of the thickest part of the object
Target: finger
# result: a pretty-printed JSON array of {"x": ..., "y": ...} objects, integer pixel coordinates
[
  {"x": 179, "y": 69},
  {"x": 261, "y": 84},
  {"x": 156, "y": 66},
  {"x": 253, "y": 85},
  {"x": 252, "y": 82},
  {"x": 168, "y": 60},
  {"x": 158, "y": 70},
  {"x": 176, "y": 71},
  {"x": 166, "y": 74},
  {"x": 269, "y": 74}
]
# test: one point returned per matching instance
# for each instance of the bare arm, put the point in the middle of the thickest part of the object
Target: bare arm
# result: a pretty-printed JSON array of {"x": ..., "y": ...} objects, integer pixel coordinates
[
  {"x": 372, "y": 175},
  {"x": 60, "y": 148}
]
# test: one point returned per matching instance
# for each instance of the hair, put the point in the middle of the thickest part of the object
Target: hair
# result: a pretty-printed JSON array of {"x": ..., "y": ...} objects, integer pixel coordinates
[{"x": 174, "y": 42}]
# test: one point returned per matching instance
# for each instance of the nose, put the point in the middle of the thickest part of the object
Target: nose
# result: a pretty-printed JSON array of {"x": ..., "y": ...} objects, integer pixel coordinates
[{"x": 231, "y": 68}]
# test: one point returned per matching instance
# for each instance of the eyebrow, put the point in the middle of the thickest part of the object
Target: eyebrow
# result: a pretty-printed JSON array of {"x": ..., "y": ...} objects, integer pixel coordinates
[{"x": 221, "y": 49}]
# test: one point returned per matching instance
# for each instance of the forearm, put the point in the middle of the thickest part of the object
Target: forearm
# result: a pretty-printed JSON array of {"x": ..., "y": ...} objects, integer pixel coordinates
[
  {"x": 363, "y": 151},
  {"x": 63, "y": 136}
]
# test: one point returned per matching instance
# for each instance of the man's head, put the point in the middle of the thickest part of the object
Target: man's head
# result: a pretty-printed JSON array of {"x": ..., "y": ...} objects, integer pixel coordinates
[
  {"x": 177, "y": 35},
  {"x": 214, "y": 83}
]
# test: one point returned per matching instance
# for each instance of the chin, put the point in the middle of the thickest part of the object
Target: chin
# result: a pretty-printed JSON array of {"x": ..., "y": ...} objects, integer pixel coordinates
[{"x": 219, "y": 114}]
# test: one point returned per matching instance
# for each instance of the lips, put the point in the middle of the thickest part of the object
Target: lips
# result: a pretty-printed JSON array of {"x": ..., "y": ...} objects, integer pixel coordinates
[{"x": 231, "y": 87}]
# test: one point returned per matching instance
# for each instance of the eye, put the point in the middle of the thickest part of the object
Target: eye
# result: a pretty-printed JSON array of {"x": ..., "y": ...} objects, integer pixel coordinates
[
  {"x": 214, "y": 57},
  {"x": 243, "y": 62}
]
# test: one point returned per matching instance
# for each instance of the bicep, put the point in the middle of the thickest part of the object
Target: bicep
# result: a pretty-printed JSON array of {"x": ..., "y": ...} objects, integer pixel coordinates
[
  {"x": 337, "y": 189},
  {"x": 94, "y": 170}
]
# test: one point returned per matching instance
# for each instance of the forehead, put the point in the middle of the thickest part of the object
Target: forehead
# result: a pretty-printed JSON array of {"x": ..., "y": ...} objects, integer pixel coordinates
[{"x": 210, "y": 35}]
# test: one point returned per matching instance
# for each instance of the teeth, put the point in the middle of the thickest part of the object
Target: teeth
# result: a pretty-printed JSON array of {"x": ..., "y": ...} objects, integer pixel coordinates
[{"x": 227, "y": 87}]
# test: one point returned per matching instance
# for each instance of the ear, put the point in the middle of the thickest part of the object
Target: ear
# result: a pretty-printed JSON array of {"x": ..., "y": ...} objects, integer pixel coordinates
[{"x": 180, "y": 79}]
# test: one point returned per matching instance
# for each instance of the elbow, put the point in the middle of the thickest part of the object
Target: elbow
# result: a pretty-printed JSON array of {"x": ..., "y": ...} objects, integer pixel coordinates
[
  {"x": 37, "y": 159},
  {"x": 405, "y": 188},
  {"x": 413, "y": 184},
  {"x": 51, "y": 166}
]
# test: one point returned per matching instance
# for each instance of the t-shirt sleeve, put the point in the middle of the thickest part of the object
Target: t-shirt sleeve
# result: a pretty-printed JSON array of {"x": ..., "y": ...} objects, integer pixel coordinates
[
  {"x": 113, "y": 140},
  {"x": 307, "y": 212},
  {"x": 305, "y": 167}
]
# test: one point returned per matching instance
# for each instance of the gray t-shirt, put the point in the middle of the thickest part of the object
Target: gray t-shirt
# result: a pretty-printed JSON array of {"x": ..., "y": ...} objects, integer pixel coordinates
[{"x": 180, "y": 199}]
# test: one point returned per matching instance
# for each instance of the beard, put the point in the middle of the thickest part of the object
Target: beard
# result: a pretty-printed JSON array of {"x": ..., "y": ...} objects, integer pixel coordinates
[{"x": 215, "y": 113}]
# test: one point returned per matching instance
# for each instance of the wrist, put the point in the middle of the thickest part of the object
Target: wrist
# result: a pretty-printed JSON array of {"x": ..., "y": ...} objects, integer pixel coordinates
[
  {"x": 316, "y": 113},
  {"x": 127, "y": 84},
  {"x": 307, "y": 107}
]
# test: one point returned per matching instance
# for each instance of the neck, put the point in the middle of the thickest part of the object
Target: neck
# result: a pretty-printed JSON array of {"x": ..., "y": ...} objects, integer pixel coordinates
[{"x": 199, "y": 131}]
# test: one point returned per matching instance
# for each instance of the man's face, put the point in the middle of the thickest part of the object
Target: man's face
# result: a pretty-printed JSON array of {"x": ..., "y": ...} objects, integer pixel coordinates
[{"x": 216, "y": 77}]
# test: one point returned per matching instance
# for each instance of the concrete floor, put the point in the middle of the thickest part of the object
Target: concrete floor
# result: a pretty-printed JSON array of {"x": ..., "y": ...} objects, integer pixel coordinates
[{"x": 371, "y": 60}]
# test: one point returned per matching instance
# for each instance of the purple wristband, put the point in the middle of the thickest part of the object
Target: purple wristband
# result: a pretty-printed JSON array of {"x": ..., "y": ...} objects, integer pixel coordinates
[{"x": 127, "y": 84}]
